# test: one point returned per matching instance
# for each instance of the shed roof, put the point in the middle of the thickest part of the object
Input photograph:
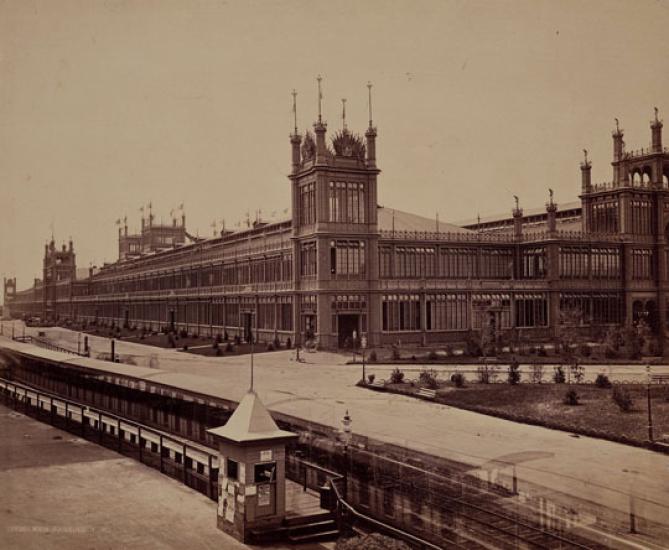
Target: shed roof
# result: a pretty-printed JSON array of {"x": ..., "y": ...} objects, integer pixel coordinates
[{"x": 251, "y": 422}]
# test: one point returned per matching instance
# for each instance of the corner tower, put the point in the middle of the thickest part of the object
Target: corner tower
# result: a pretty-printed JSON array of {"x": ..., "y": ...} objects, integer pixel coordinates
[{"x": 335, "y": 235}]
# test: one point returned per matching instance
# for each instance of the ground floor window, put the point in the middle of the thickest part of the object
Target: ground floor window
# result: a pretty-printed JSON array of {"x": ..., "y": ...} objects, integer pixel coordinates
[
  {"x": 446, "y": 312},
  {"x": 531, "y": 310},
  {"x": 401, "y": 312}
]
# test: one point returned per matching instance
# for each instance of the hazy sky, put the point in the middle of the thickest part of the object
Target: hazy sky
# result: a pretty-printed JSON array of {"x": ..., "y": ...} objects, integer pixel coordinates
[{"x": 105, "y": 106}]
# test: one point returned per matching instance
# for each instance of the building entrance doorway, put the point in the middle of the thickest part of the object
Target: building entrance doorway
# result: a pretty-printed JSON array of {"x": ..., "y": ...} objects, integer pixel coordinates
[
  {"x": 247, "y": 327},
  {"x": 346, "y": 326}
]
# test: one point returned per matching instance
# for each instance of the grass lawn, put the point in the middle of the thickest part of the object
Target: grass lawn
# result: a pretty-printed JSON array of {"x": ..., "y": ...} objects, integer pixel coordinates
[
  {"x": 596, "y": 414},
  {"x": 199, "y": 346}
]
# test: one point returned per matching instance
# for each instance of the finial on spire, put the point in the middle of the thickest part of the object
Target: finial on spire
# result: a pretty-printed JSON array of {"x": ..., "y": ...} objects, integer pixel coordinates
[
  {"x": 515, "y": 197},
  {"x": 585, "y": 156},
  {"x": 369, "y": 93},
  {"x": 617, "y": 125},
  {"x": 295, "y": 110},
  {"x": 343, "y": 112},
  {"x": 320, "y": 98},
  {"x": 656, "y": 114}
]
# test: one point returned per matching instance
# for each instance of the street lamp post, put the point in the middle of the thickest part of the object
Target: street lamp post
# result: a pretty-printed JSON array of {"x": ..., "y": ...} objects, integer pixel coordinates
[
  {"x": 650, "y": 410},
  {"x": 346, "y": 440},
  {"x": 363, "y": 346}
]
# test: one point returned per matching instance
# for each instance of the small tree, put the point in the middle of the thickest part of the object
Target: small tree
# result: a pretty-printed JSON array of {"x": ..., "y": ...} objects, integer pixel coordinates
[
  {"x": 428, "y": 378},
  {"x": 537, "y": 373},
  {"x": 372, "y": 357},
  {"x": 633, "y": 343},
  {"x": 458, "y": 379},
  {"x": 622, "y": 397},
  {"x": 558, "y": 375},
  {"x": 570, "y": 398},
  {"x": 577, "y": 372},
  {"x": 396, "y": 376},
  {"x": 486, "y": 374},
  {"x": 513, "y": 376},
  {"x": 395, "y": 353},
  {"x": 602, "y": 381}
]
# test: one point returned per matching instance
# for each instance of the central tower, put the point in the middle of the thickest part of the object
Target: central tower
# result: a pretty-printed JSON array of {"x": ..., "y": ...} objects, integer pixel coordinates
[{"x": 335, "y": 234}]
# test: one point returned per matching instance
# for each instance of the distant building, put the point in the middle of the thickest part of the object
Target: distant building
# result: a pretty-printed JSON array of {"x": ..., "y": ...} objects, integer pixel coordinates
[{"x": 341, "y": 266}]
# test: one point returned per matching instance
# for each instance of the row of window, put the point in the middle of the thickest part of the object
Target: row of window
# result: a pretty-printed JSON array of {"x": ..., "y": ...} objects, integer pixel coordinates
[
  {"x": 262, "y": 270},
  {"x": 402, "y": 312},
  {"x": 347, "y": 202},
  {"x": 581, "y": 262},
  {"x": 272, "y": 313}
]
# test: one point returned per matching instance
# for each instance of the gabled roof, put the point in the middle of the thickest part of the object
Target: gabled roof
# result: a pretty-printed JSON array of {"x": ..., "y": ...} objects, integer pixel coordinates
[
  {"x": 251, "y": 422},
  {"x": 390, "y": 219}
]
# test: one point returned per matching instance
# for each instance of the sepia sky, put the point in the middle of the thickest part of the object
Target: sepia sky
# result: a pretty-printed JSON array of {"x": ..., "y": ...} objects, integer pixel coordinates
[{"x": 107, "y": 105}]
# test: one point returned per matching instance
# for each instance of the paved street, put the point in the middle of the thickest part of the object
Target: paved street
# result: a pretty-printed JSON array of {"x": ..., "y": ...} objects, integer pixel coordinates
[{"x": 595, "y": 471}]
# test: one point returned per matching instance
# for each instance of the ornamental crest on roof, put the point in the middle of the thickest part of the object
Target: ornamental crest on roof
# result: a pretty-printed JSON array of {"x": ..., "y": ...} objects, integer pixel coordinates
[
  {"x": 308, "y": 147},
  {"x": 347, "y": 144}
]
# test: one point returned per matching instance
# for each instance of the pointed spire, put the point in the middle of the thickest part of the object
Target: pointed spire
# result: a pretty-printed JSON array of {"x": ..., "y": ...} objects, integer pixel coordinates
[
  {"x": 320, "y": 99},
  {"x": 294, "y": 112},
  {"x": 343, "y": 113},
  {"x": 656, "y": 114},
  {"x": 369, "y": 102}
]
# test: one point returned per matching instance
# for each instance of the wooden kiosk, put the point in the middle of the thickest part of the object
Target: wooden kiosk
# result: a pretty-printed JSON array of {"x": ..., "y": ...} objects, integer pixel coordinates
[{"x": 252, "y": 473}]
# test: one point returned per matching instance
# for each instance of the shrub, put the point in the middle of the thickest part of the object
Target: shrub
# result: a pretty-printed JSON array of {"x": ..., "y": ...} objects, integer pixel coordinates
[
  {"x": 486, "y": 374},
  {"x": 238, "y": 340},
  {"x": 513, "y": 376},
  {"x": 577, "y": 373},
  {"x": 269, "y": 346},
  {"x": 602, "y": 381},
  {"x": 537, "y": 374},
  {"x": 397, "y": 376},
  {"x": 372, "y": 357},
  {"x": 585, "y": 350},
  {"x": 654, "y": 348},
  {"x": 532, "y": 350},
  {"x": 611, "y": 353},
  {"x": 170, "y": 340},
  {"x": 432, "y": 356},
  {"x": 428, "y": 378},
  {"x": 570, "y": 398},
  {"x": 458, "y": 380},
  {"x": 413, "y": 358},
  {"x": 219, "y": 352},
  {"x": 225, "y": 336},
  {"x": 229, "y": 347},
  {"x": 185, "y": 347},
  {"x": 472, "y": 347},
  {"x": 558, "y": 375},
  {"x": 395, "y": 354},
  {"x": 289, "y": 343},
  {"x": 622, "y": 398},
  {"x": 371, "y": 377}
]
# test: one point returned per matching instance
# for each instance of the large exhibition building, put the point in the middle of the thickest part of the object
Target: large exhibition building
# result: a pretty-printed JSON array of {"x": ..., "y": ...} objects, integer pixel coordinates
[{"x": 342, "y": 267}]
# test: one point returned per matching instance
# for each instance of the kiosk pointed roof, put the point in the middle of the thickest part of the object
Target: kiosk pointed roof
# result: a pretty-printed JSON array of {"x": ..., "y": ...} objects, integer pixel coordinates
[{"x": 251, "y": 422}]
